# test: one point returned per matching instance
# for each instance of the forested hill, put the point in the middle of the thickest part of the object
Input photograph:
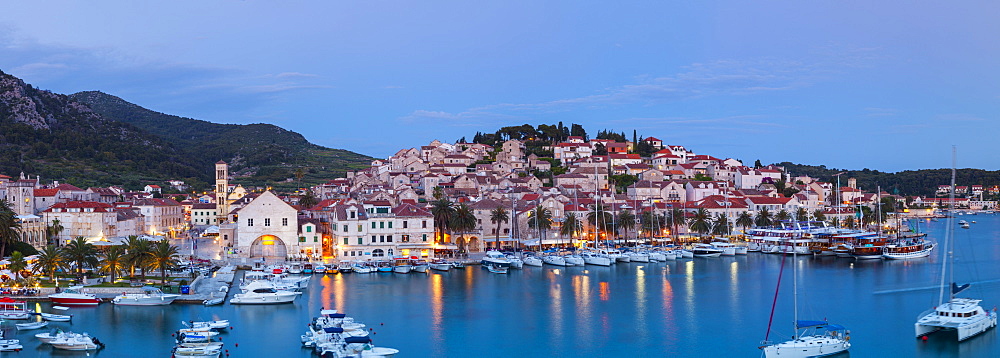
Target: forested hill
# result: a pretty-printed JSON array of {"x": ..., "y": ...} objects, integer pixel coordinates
[
  {"x": 92, "y": 138},
  {"x": 908, "y": 182},
  {"x": 257, "y": 153}
]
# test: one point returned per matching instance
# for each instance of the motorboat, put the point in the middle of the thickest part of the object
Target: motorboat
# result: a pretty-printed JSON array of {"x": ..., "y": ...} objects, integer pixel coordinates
[
  {"x": 319, "y": 269},
  {"x": 458, "y": 265},
  {"x": 728, "y": 248},
  {"x": 295, "y": 269},
  {"x": 574, "y": 260},
  {"x": 657, "y": 256},
  {"x": 345, "y": 267},
  {"x": 384, "y": 267},
  {"x": 10, "y": 345},
  {"x": 440, "y": 265},
  {"x": 907, "y": 249},
  {"x": 515, "y": 262},
  {"x": 965, "y": 225},
  {"x": 48, "y": 337},
  {"x": 218, "y": 324},
  {"x": 74, "y": 296},
  {"x": 263, "y": 293},
  {"x": 362, "y": 268},
  {"x": 495, "y": 258},
  {"x": 198, "y": 350},
  {"x": 150, "y": 296},
  {"x": 31, "y": 325},
  {"x": 554, "y": 260},
  {"x": 496, "y": 269},
  {"x": 638, "y": 256},
  {"x": 420, "y": 266},
  {"x": 56, "y": 317},
  {"x": 686, "y": 254},
  {"x": 532, "y": 260},
  {"x": 13, "y": 309},
  {"x": 402, "y": 265},
  {"x": 82, "y": 342},
  {"x": 307, "y": 268},
  {"x": 705, "y": 250},
  {"x": 591, "y": 258},
  {"x": 213, "y": 300}
]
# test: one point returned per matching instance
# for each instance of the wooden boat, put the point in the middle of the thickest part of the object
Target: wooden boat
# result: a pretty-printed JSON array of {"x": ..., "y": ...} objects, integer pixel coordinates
[{"x": 31, "y": 325}]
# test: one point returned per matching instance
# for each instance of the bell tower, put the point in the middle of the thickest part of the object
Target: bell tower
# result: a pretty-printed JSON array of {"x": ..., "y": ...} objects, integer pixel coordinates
[{"x": 222, "y": 191}]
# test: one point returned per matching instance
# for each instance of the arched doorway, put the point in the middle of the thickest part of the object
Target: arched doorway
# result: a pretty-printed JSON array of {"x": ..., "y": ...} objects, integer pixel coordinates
[
  {"x": 473, "y": 244},
  {"x": 268, "y": 246},
  {"x": 460, "y": 242}
]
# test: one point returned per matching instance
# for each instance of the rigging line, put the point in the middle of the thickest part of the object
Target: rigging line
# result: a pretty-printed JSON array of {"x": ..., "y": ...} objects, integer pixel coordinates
[
  {"x": 774, "y": 303},
  {"x": 972, "y": 261}
]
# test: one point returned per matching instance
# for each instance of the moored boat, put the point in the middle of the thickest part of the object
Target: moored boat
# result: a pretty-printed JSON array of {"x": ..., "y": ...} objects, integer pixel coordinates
[
  {"x": 441, "y": 265},
  {"x": 263, "y": 293},
  {"x": 13, "y": 309},
  {"x": 903, "y": 249},
  {"x": 74, "y": 296},
  {"x": 150, "y": 296}
]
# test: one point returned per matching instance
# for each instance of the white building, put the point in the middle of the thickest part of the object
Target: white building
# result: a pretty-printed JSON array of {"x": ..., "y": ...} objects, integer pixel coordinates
[{"x": 268, "y": 227}]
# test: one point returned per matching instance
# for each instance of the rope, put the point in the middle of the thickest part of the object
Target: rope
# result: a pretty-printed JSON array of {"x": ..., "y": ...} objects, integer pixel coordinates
[{"x": 774, "y": 303}]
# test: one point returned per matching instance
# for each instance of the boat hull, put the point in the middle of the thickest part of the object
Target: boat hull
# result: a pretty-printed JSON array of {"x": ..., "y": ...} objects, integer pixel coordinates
[
  {"x": 74, "y": 301},
  {"x": 441, "y": 267},
  {"x": 930, "y": 323},
  {"x": 144, "y": 301},
  {"x": 810, "y": 346}
]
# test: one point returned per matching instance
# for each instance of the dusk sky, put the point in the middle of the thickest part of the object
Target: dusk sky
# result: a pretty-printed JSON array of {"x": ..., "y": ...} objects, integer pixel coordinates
[{"x": 887, "y": 85}]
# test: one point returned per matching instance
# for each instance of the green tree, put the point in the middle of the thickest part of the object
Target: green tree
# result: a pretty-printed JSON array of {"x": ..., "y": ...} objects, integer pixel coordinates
[
  {"x": 650, "y": 222},
  {"x": 700, "y": 222},
  {"x": 112, "y": 261},
  {"x": 763, "y": 218},
  {"x": 677, "y": 218},
  {"x": 9, "y": 225},
  {"x": 600, "y": 219},
  {"x": 782, "y": 215},
  {"x": 308, "y": 199},
  {"x": 162, "y": 258},
  {"x": 721, "y": 225},
  {"x": 443, "y": 210},
  {"x": 849, "y": 222},
  {"x": 801, "y": 214},
  {"x": 744, "y": 220},
  {"x": 626, "y": 222},
  {"x": 52, "y": 232},
  {"x": 138, "y": 255},
  {"x": 570, "y": 226},
  {"x": 17, "y": 264},
  {"x": 497, "y": 216},
  {"x": 81, "y": 253},
  {"x": 49, "y": 260},
  {"x": 818, "y": 215},
  {"x": 541, "y": 220},
  {"x": 462, "y": 221}
]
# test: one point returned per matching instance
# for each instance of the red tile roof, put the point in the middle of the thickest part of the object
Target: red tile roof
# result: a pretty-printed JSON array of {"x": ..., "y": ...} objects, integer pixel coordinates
[{"x": 46, "y": 192}]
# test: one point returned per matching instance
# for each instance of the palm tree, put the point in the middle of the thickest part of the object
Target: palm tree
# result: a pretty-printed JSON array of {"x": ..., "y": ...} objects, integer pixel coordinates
[
  {"x": 443, "y": 210},
  {"x": 849, "y": 222},
  {"x": 801, "y": 214},
  {"x": 82, "y": 253},
  {"x": 541, "y": 220},
  {"x": 745, "y": 220},
  {"x": 570, "y": 226},
  {"x": 720, "y": 225},
  {"x": 700, "y": 222},
  {"x": 52, "y": 232},
  {"x": 782, "y": 215},
  {"x": 626, "y": 222},
  {"x": 599, "y": 218},
  {"x": 113, "y": 261},
  {"x": 9, "y": 226},
  {"x": 499, "y": 215},
  {"x": 162, "y": 258},
  {"x": 17, "y": 264},
  {"x": 677, "y": 219},
  {"x": 49, "y": 260},
  {"x": 649, "y": 222},
  {"x": 463, "y": 220},
  {"x": 818, "y": 215},
  {"x": 137, "y": 256},
  {"x": 763, "y": 218}
]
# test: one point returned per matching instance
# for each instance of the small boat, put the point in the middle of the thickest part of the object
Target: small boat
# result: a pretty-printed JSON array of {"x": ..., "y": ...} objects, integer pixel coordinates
[
  {"x": 361, "y": 268},
  {"x": 554, "y": 260},
  {"x": 74, "y": 296},
  {"x": 440, "y": 265},
  {"x": 402, "y": 265},
  {"x": 573, "y": 260},
  {"x": 13, "y": 309},
  {"x": 907, "y": 249},
  {"x": 420, "y": 266},
  {"x": 495, "y": 258},
  {"x": 151, "y": 296},
  {"x": 706, "y": 250},
  {"x": 307, "y": 268},
  {"x": 591, "y": 258},
  {"x": 219, "y": 324},
  {"x": 263, "y": 293},
  {"x": 214, "y": 300},
  {"x": 81, "y": 342},
  {"x": 10, "y": 345},
  {"x": 295, "y": 269},
  {"x": 345, "y": 267},
  {"x": 56, "y": 317},
  {"x": 320, "y": 269},
  {"x": 965, "y": 225},
  {"x": 532, "y": 261},
  {"x": 31, "y": 325},
  {"x": 496, "y": 269},
  {"x": 61, "y": 308},
  {"x": 458, "y": 265}
]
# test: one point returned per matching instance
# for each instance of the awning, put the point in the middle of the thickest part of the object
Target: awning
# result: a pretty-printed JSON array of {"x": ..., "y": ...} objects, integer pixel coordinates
[
  {"x": 446, "y": 247},
  {"x": 806, "y": 324}
]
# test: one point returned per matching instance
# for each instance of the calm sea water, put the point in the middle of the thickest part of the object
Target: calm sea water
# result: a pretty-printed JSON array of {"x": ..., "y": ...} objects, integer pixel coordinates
[{"x": 688, "y": 308}]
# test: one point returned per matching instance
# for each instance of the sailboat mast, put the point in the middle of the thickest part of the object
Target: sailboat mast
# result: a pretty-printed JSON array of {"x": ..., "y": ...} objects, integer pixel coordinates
[
  {"x": 950, "y": 223},
  {"x": 795, "y": 289}
]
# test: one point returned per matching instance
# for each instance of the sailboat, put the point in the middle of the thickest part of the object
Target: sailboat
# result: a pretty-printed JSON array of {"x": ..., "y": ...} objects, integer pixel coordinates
[
  {"x": 813, "y": 338},
  {"x": 963, "y": 315}
]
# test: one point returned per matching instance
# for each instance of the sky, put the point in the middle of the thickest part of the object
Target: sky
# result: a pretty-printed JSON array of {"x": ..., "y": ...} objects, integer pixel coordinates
[{"x": 887, "y": 85}]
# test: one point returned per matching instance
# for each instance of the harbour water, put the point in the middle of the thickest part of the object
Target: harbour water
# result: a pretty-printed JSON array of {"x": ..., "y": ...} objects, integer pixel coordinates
[{"x": 688, "y": 308}]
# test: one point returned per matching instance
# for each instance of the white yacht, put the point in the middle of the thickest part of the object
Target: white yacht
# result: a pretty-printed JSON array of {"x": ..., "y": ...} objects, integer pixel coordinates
[
  {"x": 554, "y": 260},
  {"x": 515, "y": 263},
  {"x": 825, "y": 339},
  {"x": 532, "y": 261},
  {"x": 638, "y": 256},
  {"x": 441, "y": 265},
  {"x": 82, "y": 342},
  {"x": 495, "y": 258},
  {"x": 150, "y": 296},
  {"x": 705, "y": 250},
  {"x": 728, "y": 249},
  {"x": 615, "y": 255},
  {"x": 262, "y": 293},
  {"x": 591, "y": 258},
  {"x": 574, "y": 260}
]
